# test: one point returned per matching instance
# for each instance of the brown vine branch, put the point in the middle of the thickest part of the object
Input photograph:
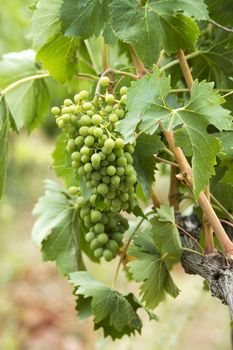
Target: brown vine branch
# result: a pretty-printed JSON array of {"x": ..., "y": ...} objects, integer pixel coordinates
[
  {"x": 216, "y": 24},
  {"x": 185, "y": 68},
  {"x": 203, "y": 201},
  {"x": 140, "y": 68},
  {"x": 173, "y": 195},
  {"x": 165, "y": 161}
]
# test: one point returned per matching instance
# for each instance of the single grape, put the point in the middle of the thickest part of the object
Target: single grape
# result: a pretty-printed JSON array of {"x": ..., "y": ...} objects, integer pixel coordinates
[
  {"x": 119, "y": 143},
  {"x": 83, "y": 131},
  {"x": 76, "y": 98},
  {"x": 109, "y": 144},
  {"x": 73, "y": 190},
  {"x": 67, "y": 102},
  {"x": 94, "y": 244},
  {"x": 121, "y": 161},
  {"x": 123, "y": 99},
  {"x": 98, "y": 252},
  {"x": 115, "y": 180},
  {"x": 111, "y": 170},
  {"x": 108, "y": 255},
  {"x": 99, "y": 228},
  {"x": 104, "y": 81},
  {"x": 102, "y": 238},
  {"x": 96, "y": 119},
  {"x": 87, "y": 106},
  {"x": 96, "y": 216},
  {"x": 74, "y": 164},
  {"x": 85, "y": 158},
  {"x": 89, "y": 141},
  {"x": 123, "y": 90},
  {"x": 88, "y": 167},
  {"x": 83, "y": 95},
  {"x": 113, "y": 118},
  {"x": 109, "y": 98},
  {"x": 71, "y": 146},
  {"x": 120, "y": 171},
  {"x": 111, "y": 157},
  {"x": 55, "y": 110},
  {"x": 85, "y": 120},
  {"x": 76, "y": 156},
  {"x": 79, "y": 141},
  {"x": 89, "y": 236},
  {"x": 98, "y": 132},
  {"x": 102, "y": 189}
]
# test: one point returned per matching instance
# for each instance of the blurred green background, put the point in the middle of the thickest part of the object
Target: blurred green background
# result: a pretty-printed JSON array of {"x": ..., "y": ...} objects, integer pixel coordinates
[{"x": 36, "y": 304}]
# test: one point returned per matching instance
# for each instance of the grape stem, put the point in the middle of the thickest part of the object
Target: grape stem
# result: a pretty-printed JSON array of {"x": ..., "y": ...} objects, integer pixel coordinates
[
  {"x": 221, "y": 207},
  {"x": 190, "y": 236},
  {"x": 166, "y": 161}
]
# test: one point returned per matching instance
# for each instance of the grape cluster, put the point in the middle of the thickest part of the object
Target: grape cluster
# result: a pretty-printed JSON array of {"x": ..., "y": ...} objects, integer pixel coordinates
[{"x": 100, "y": 156}]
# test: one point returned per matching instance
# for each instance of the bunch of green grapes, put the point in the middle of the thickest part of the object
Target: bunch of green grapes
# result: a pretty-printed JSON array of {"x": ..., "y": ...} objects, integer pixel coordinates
[{"x": 100, "y": 156}]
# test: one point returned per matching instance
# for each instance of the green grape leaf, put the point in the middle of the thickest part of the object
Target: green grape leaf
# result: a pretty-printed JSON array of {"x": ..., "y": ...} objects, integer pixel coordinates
[
  {"x": 157, "y": 25},
  {"x": 226, "y": 155},
  {"x": 59, "y": 57},
  {"x": 144, "y": 163},
  {"x": 112, "y": 311},
  {"x": 222, "y": 192},
  {"x": 15, "y": 66},
  {"x": 4, "y": 139},
  {"x": 58, "y": 228},
  {"x": 28, "y": 103},
  {"x": 61, "y": 162},
  {"x": 150, "y": 268},
  {"x": 45, "y": 21},
  {"x": 87, "y": 18},
  {"x": 203, "y": 109},
  {"x": 166, "y": 235},
  {"x": 221, "y": 11}
]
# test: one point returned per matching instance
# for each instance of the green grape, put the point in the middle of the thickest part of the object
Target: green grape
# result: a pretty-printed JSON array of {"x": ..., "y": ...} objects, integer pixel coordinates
[
  {"x": 108, "y": 255},
  {"x": 109, "y": 98},
  {"x": 73, "y": 110},
  {"x": 98, "y": 253},
  {"x": 109, "y": 144},
  {"x": 96, "y": 119},
  {"x": 96, "y": 215},
  {"x": 90, "y": 113},
  {"x": 83, "y": 131},
  {"x": 120, "y": 113},
  {"x": 129, "y": 158},
  {"x": 89, "y": 141},
  {"x": 85, "y": 120},
  {"x": 102, "y": 189},
  {"x": 85, "y": 158},
  {"x": 95, "y": 159},
  {"x": 121, "y": 161},
  {"x": 81, "y": 171},
  {"x": 96, "y": 176},
  {"x": 84, "y": 211},
  {"x": 104, "y": 81},
  {"x": 83, "y": 95},
  {"x": 99, "y": 228},
  {"x": 119, "y": 143},
  {"x": 74, "y": 164},
  {"x": 123, "y": 90},
  {"x": 88, "y": 167},
  {"x": 73, "y": 190},
  {"x": 98, "y": 132},
  {"x": 116, "y": 202},
  {"x": 123, "y": 99},
  {"x": 106, "y": 150},
  {"x": 84, "y": 150},
  {"x": 106, "y": 179},
  {"x": 76, "y": 156},
  {"x": 102, "y": 238},
  {"x": 120, "y": 171},
  {"x": 111, "y": 195},
  {"x": 80, "y": 201},
  {"x": 131, "y": 179},
  {"x": 117, "y": 236},
  {"x": 76, "y": 98},
  {"x": 115, "y": 180},
  {"x": 87, "y": 106},
  {"x": 67, "y": 102},
  {"x": 79, "y": 141},
  {"x": 130, "y": 148},
  {"x": 113, "y": 118},
  {"x": 94, "y": 244},
  {"x": 111, "y": 170},
  {"x": 71, "y": 146},
  {"x": 108, "y": 109},
  {"x": 89, "y": 236},
  {"x": 124, "y": 197},
  {"x": 61, "y": 124},
  {"x": 111, "y": 157},
  {"x": 65, "y": 110},
  {"x": 112, "y": 245},
  {"x": 55, "y": 110}
]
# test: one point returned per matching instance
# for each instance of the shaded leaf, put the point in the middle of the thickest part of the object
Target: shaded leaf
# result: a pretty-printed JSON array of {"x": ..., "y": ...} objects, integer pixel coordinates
[{"x": 4, "y": 139}]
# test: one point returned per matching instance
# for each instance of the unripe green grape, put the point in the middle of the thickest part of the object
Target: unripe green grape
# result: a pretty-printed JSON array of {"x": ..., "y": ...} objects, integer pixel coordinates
[
  {"x": 66, "y": 118},
  {"x": 55, "y": 110},
  {"x": 109, "y": 98},
  {"x": 73, "y": 119},
  {"x": 76, "y": 156},
  {"x": 119, "y": 143},
  {"x": 74, "y": 164},
  {"x": 71, "y": 146},
  {"x": 129, "y": 170},
  {"x": 93, "y": 199},
  {"x": 123, "y": 99},
  {"x": 83, "y": 131},
  {"x": 103, "y": 171},
  {"x": 76, "y": 98},
  {"x": 89, "y": 141},
  {"x": 87, "y": 106},
  {"x": 96, "y": 119},
  {"x": 104, "y": 81},
  {"x": 105, "y": 163},
  {"x": 94, "y": 244},
  {"x": 67, "y": 102},
  {"x": 83, "y": 95},
  {"x": 96, "y": 176},
  {"x": 113, "y": 118},
  {"x": 118, "y": 152},
  {"x": 102, "y": 155},
  {"x": 65, "y": 110},
  {"x": 102, "y": 189},
  {"x": 98, "y": 132},
  {"x": 111, "y": 194},
  {"x": 72, "y": 109},
  {"x": 81, "y": 171},
  {"x": 96, "y": 216},
  {"x": 111, "y": 170},
  {"x": 61, "y": 124},
  {"x": 131, "y": 179},
  {"x": 109, "y": 144},
  {"x": 106, "y": 150},
  {"x": 85, "y": 158},
  {"x": 88, "y": 167},
  {"x": 106, "y": 179},
  {"x": 120, "y": 171},
  {"x": 108, "y": 109},
  {"x": 112, "y": 245},
  {"x": 87, "y": 222},
  {"x": 84, "y": 212},
  {"x": 123, "y": 90},
  {"x": 90, "y": 113},
  {"x": 79, "y": 141},
  {"x": 117, "y": 236},
  {"x": 89, "y": 236},
  {"x": 120, "y": 113},
  {"x": 99, "y": 228},
  {"x": 73, "y": 190},
  {"x": 116, "y": 202},
  {"x": 107, "y": 254},
  {"x": 84, "y": 150},
  {"x": 121, "y": 161},
  {"x": 85, "y": 120},
  {"x": 115, "y": 180},
  {"x": 102, "y": 238},
  {"x": 95, "y": 159},
  {"x": 130, "y": 148},
  {"x": 80, "y": 201},
  {"x": 124, "y": 197},
  {"x": 111, "y": 157},
  {"x": 129, "y": 158},
  {"x": 98, "y": 253}
]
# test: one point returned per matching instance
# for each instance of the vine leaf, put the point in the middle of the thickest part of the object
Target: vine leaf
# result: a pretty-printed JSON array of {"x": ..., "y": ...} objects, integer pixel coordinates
[
  {"x": 4, "y": 134},
  {"x": 157, "y": 25},
  {"x": 58, "y": 56},
  {"x": 144, "y": 163},
  {"x": 222, "y": 191},
  {"x": 45, "y": 21},
  {"x": 28, "y": 103},
  {"x": 58, "y": 229},
  {"x": 150, "y": 268},
  {"x": 87, "y": 18},
  {"x": 112, "y": 311},
  {"x": 147, "y": 107},
  {"x": 221, "y": 11},
  {"x": 226, "y": 156}
]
